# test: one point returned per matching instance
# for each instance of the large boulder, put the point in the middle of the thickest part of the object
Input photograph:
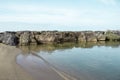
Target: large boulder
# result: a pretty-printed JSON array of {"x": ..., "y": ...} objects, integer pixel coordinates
[
  {"x": 10, "y": 39},
  {"x": 32, "y": 38},
  {"x": 90, "y": 36},
  {"x": 45, "y": 37},
  {"x": 100, "y": 36},
  {"x": 112, "y": 36},
  {"x": 67, "y": 37},
  {"x": 81, "y": 37},
  {"x": 24, "y": 38}
]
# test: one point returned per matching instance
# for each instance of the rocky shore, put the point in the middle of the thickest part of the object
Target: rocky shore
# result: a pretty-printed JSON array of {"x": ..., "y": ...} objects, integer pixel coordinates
[{"x": 35, "y": 37}]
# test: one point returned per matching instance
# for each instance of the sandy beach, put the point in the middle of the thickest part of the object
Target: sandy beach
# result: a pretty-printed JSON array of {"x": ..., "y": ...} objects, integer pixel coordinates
[
  {"x": 9, "y": 70},
  {"x": 15, "y": 67}
]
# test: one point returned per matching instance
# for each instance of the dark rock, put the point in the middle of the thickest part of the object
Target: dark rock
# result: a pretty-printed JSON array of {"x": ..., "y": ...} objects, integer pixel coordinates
[
  {"x": 1, "y": 37},
  {"x": 67, "y": 37},
  {"x": 10, "y": 39}
]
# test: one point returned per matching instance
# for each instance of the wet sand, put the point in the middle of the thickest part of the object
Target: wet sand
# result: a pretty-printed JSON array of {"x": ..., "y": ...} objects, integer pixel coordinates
[
  {"x": 9, "y": 69},
  {"x": 13, "y": 66},
  {"x": 38, "y": 68}
]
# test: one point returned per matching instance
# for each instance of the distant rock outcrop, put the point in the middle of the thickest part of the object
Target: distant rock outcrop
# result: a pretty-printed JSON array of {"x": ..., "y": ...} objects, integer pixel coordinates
[{"x": 34, "y": 37}]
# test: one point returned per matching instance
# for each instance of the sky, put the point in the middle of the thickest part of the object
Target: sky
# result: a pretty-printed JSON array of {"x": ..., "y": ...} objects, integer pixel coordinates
[{"x": 64, "y": 12}]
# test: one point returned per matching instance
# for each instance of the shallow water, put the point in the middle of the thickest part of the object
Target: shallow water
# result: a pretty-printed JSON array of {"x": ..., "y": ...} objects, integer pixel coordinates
[{"x": 74, "y": 61}]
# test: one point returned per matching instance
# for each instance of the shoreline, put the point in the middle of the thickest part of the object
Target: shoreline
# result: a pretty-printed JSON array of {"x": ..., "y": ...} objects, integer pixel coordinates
[
  {"x": 18, "y": 67},
  {"x": 12, "y": 66},
  {"x": 9, "y": 69}
]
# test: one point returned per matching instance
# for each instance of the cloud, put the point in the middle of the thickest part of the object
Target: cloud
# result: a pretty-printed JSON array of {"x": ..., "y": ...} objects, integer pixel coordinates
[
  {"x": 35, "y": 9},
  {"x": 42, "y": 14},
  {"x": 109, "y": 2},
  {"x": 47, "y": 14}
]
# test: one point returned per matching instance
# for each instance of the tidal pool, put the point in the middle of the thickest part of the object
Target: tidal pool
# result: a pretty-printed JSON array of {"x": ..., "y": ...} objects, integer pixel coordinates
[{"x": 72, "y": 61}]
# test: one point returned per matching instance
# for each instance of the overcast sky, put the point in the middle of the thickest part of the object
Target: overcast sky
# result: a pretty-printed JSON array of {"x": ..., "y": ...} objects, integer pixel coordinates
[{"x": 72, "y": 12}]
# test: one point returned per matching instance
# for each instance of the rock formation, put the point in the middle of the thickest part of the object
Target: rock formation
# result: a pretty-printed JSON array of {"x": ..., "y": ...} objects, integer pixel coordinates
[
  {"x": 9, "y": 38},
  {"x": 34, "y": 37}
]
